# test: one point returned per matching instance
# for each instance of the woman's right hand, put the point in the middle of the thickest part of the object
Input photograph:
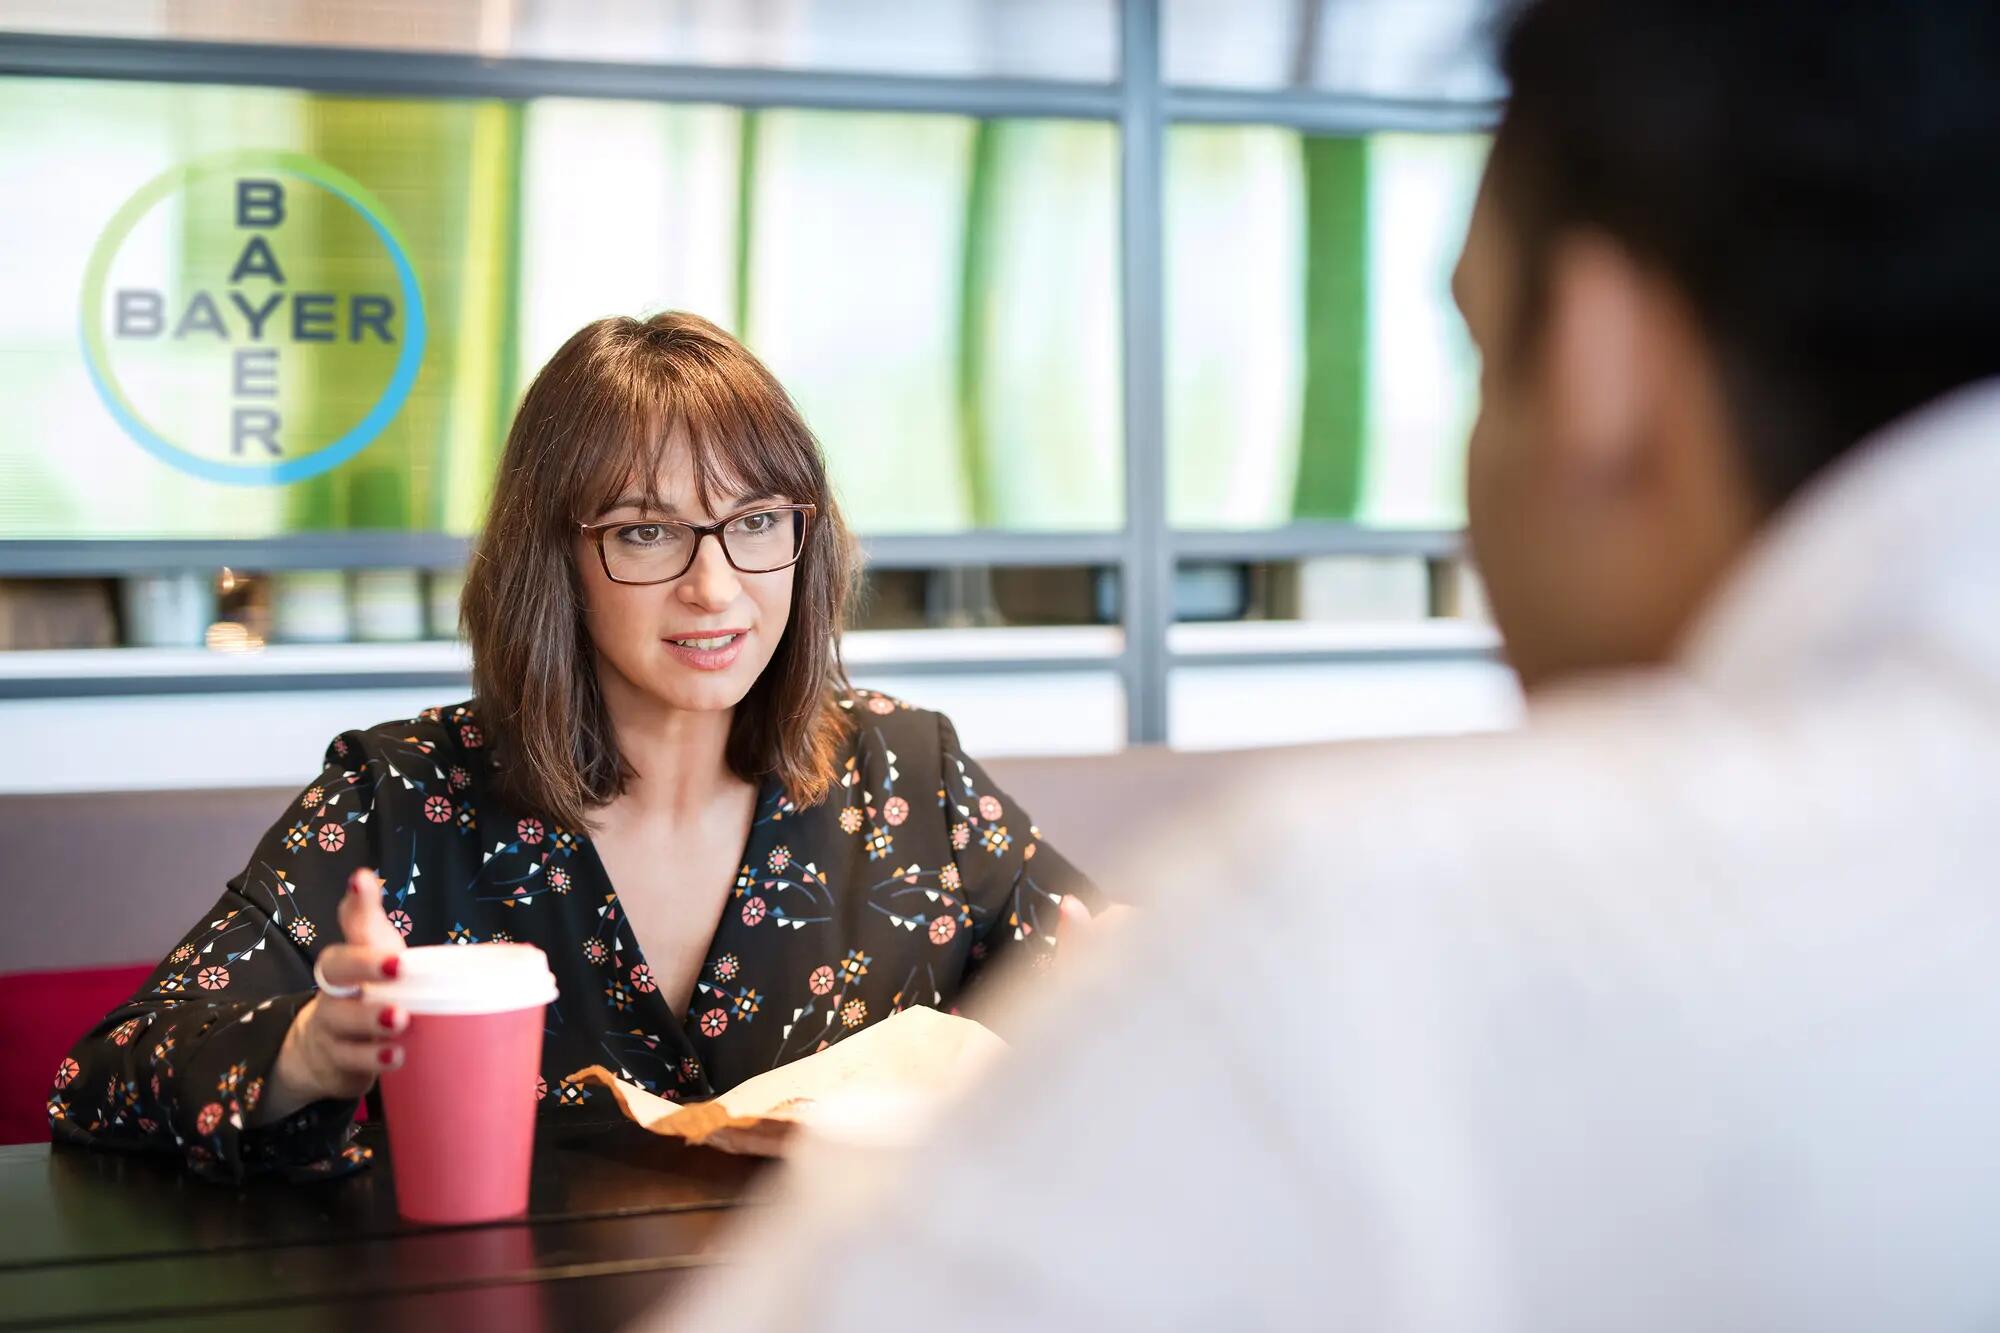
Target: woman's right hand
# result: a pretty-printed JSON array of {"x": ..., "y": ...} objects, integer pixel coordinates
[{"x": 336, "y": 1046}]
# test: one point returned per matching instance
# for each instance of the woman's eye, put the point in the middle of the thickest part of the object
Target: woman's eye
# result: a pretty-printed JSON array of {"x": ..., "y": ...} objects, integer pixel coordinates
[
  {"x": 641, "y": 534},
  {"x": 755, "y": 523}
]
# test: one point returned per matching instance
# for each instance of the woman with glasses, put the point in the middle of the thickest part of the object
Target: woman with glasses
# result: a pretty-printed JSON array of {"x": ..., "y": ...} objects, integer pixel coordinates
[{"x": 731, "y": 858}]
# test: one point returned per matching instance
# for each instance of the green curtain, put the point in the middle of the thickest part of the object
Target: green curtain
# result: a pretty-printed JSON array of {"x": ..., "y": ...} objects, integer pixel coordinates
[
  {"x": 1332, "y": 433},
  {"x": 1038, "y": 365},
  {"x": 855, "y": 226},
  {"x": 449, "y": 173},
  {"x": 628, "y": 208},
  {"x": 1235, "y": 244},
  {"x": 1423, "y": 375}
]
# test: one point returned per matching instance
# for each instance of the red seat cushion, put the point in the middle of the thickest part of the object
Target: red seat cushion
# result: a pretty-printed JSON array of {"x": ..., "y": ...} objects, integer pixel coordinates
[{"x": 41, "y": 1016}]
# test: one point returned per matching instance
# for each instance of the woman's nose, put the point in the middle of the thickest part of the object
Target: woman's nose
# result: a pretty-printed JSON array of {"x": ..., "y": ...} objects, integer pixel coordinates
[{"x": 710, "y": 582}]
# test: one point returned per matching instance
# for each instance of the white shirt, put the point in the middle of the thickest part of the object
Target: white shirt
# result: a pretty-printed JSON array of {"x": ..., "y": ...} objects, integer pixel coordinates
[{"x": 1678, "y": 1008}]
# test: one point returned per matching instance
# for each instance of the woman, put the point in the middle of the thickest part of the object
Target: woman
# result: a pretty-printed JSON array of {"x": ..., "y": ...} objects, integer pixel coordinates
[{"x": 731, "y": 858}]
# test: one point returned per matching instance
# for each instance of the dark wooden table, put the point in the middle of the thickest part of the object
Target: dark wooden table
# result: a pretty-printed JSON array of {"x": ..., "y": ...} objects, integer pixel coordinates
[{"x": 617, "y": 1220}]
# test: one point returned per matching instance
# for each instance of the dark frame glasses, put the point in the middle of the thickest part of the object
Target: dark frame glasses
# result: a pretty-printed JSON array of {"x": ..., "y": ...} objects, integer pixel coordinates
[{"x": 802, "y": 522}]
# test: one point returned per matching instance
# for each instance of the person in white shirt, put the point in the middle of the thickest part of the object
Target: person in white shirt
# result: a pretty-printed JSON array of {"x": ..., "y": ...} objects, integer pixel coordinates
[{"x": 1679, "y": 1007}]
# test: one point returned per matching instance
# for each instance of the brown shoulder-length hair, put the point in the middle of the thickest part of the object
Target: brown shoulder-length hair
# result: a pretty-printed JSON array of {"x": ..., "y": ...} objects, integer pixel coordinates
[{"x": 596, "y": 420}]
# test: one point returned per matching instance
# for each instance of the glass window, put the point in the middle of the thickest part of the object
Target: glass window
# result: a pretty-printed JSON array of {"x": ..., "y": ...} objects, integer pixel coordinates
[
  {"x": 192, "y": 231},
  {"x": 1316, "y": 367},
  {"x": 939, "y": 293},
  {"x": 1235, "y": 265},
  {"x": 1432, "y": 49}
]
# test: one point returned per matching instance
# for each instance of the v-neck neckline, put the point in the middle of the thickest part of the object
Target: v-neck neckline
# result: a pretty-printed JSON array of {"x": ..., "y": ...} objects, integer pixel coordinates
[{"x": 767, "y": 794}]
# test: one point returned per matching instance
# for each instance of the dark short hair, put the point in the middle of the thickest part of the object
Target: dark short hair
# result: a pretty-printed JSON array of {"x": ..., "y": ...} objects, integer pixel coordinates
[
  {"x": 597, "y": 419},
  {"x": 1819, "y": 178}
]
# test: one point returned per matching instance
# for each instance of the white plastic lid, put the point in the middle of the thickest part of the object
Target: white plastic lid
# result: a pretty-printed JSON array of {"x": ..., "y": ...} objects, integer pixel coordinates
[{"x": 469, "y": 979}]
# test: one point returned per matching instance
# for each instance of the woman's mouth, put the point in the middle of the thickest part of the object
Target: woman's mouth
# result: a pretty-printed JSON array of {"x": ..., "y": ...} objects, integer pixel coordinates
[{"x": 707, "y": 652}]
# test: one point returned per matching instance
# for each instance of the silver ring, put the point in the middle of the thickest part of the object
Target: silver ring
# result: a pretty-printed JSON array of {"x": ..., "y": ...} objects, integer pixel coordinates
[{"x": 327, "y": 988}]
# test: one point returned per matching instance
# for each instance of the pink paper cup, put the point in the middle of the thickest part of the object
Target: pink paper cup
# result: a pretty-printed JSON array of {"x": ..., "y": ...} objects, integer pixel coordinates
[{"x": 461, "y": 1109}]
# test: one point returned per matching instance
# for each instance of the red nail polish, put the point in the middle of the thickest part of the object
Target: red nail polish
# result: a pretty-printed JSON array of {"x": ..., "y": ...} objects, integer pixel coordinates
[
  {"x": 389, "y": 1019},
  {"x": 392, "y": 967},
  {"x": 387, "y": 1057}
]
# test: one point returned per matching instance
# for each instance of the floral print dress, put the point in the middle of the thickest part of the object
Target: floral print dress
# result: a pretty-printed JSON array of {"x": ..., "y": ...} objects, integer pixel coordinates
[{"x": 909, "y": 879}]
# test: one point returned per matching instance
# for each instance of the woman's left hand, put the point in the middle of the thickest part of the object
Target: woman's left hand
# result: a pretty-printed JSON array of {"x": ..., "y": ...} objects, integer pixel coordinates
[{"x": 1081, "y": 933}]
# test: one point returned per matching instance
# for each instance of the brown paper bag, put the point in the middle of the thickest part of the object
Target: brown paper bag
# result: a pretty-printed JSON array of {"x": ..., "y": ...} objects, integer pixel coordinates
[{"x": 881, "y": 1085}]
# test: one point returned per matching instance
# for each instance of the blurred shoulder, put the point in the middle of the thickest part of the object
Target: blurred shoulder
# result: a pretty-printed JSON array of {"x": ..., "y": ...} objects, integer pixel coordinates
[
  {"x": 877, "y": 720},
  {"x": 439, "y": 738}
]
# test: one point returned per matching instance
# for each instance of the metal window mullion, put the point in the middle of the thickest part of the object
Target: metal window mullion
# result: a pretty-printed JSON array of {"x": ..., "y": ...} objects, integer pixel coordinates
[
  {"x": 1307, "y": 538},
  {"x": 113, "y": 557},
  {"x": 1146, "y": 586},
  {"x": 337, "y": 69},
  {"x": 1316, "y": 112}
]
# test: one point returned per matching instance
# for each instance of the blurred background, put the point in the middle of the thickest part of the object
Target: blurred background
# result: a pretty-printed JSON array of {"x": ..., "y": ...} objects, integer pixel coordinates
[{"x": 1126, "y": 329}]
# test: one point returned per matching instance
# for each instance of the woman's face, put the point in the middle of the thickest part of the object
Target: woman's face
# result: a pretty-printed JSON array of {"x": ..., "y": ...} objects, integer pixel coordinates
[{"x": 695, "y": 643}]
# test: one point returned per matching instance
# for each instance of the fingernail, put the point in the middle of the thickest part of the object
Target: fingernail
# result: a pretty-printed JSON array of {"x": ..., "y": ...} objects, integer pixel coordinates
[
  {"x": 389, "y": 1019},
  {"x": 389, "y": 1055},
  {"x": 392, "y": 967}
]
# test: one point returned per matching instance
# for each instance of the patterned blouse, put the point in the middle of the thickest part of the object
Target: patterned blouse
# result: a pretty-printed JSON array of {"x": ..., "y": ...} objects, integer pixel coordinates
[{"x": 911, "y": 877}]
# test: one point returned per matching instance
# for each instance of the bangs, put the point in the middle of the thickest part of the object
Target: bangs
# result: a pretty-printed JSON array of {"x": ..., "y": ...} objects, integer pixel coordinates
[{"x": 743, "y": 436}]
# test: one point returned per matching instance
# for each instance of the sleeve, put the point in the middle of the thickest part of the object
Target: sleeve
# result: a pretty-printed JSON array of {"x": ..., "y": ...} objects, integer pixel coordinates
[
  {"x": 181, "y": 1066},
  {"x": 1013, "y": 882}
]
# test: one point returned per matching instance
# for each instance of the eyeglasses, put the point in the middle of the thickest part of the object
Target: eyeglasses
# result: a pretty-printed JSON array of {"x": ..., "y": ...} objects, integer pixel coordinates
[{"x": 756, "y": 541}]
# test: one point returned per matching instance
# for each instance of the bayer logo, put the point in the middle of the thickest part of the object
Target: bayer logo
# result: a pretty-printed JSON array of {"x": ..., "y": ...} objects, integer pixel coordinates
[{"x": 252, "y": 318}]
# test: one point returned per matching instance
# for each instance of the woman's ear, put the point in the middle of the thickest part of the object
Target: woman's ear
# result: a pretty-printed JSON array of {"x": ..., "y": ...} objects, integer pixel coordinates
[{"x": 1600, "y": 363}]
